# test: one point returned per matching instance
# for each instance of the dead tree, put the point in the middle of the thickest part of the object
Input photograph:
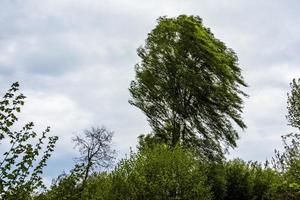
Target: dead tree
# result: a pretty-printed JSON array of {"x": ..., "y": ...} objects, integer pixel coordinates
[{"x": 95, "y": 150}]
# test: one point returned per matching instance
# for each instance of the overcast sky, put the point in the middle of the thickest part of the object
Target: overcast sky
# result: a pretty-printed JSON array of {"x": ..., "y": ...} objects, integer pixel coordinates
[{"x": 75, "y": 59}]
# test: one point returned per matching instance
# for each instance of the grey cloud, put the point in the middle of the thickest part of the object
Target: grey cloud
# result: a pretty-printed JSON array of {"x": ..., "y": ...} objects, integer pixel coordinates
[
  {"x": 50, "y": 60},
  {"x": 85, "y": 51}
]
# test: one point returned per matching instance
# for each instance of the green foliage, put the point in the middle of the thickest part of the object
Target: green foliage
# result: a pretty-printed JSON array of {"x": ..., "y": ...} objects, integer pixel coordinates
[
  {"x": 250, "y": 181},
  {"x": 288, "y": 161},
  {"x": 216, "y": 178},
  {"x": 65, "y": 186},
  {"x": 22, "y": 164},
  {"x": 98, "y": 187},
  {"x": 237, "y": 179},
  {"x": 293, "y": 104},
  {"x": 157, "y": 173},
  {"x": 160, "y": 173},
  {"x": 288, "y": 164},
  {"x": 148, "y": 141},
  {"x": 188, "y": 84},
  {"x": 174, "y": 173},
  {"x": 288, "y": 191}
]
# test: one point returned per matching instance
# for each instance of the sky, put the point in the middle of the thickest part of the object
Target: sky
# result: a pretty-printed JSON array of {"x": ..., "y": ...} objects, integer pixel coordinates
[{"x": 74, "y": 60}]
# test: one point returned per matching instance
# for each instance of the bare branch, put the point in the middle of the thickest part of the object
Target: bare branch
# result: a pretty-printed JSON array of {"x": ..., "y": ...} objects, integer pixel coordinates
[{"x": 95, "y": 149}]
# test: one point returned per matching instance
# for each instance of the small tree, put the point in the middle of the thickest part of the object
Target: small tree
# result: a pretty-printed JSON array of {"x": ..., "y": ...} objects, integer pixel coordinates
[
  {"x": 188, "y": 84},
  {"x": 288, "y": 161},
  {"x": 95, "y": 150},
  {"x": 22, "y": 164},
  {"x": 293, "y": 104},
  {"x": 291, "y": 155}
]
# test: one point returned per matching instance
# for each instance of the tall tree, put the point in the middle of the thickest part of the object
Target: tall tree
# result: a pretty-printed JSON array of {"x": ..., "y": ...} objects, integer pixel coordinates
[
  {"x": 188, "y": 83},
  {"x": 22, "y": 164}
]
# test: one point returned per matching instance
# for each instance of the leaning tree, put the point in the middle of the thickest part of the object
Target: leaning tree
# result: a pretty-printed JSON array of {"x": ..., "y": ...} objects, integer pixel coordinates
[{"x": 189, "y": 85}]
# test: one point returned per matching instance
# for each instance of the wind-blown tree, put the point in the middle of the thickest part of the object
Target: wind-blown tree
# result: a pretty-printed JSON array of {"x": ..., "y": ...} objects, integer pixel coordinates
[
  {"x": 189, "y": 85},
  {"x": 22, "y": 164}
]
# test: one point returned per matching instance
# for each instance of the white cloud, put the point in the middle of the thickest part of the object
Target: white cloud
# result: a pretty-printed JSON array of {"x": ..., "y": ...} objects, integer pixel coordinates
[{"x": 59, "y": 112}]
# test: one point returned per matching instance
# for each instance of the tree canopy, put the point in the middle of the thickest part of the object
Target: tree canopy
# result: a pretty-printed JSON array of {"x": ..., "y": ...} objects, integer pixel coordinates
[{"x": 189, "y": 85}]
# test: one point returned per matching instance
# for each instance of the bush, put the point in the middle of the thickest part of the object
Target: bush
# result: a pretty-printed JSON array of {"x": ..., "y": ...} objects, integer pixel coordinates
[
  {"x": 249, "y": 181},
  {"x": 98, "y": 187},
  {"x": 160, "y": 173}
]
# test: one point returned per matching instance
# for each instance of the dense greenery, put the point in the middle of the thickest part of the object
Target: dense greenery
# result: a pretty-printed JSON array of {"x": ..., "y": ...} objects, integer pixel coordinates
[
  {"x": 188, "y": 84},
  {"x": 175, "y": 173}
]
